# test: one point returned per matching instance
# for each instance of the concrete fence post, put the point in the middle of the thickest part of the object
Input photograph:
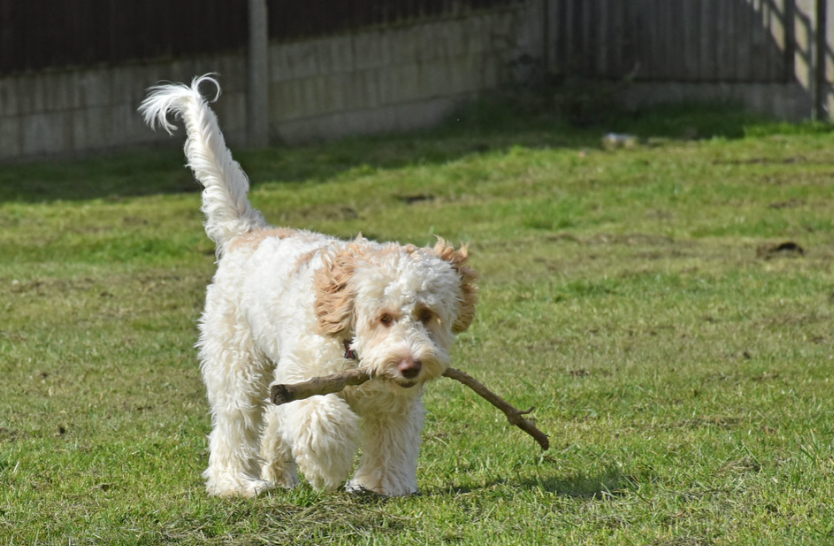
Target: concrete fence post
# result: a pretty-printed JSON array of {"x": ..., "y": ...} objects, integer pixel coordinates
[
  {"x": 822, "y": 59},
  {"x": 257, "y": 93}
]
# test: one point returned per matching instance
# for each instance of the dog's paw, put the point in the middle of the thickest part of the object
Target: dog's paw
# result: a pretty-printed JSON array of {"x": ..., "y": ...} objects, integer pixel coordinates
[
  {"x": 356, "y": 487},
  {"x": 227, "y": 484},
  {"x": 283, "y": 476}
]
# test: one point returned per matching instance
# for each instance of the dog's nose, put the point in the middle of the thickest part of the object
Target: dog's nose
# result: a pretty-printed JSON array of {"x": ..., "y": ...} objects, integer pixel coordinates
[{"x": 409, "y": 368}]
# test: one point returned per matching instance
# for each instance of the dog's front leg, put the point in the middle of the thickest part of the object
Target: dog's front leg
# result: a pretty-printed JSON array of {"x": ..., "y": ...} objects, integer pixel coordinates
[
  {"x": 278, "y": 465},
  {"x": 322, "y": 433},
  {"x": 390, "y": 448}
]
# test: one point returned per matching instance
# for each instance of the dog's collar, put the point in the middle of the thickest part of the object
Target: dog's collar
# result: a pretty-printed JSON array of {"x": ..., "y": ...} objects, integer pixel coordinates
[{"x": 349, "y": 354}]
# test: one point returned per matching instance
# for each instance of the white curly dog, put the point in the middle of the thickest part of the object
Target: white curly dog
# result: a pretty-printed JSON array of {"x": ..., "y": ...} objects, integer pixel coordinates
[{"x": 286, "y": 305}]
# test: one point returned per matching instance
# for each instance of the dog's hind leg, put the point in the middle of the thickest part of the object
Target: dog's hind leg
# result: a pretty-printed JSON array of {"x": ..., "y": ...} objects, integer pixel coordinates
[
  {"x": 234, "y": 465},
  {"x": 236, "y": 379}
]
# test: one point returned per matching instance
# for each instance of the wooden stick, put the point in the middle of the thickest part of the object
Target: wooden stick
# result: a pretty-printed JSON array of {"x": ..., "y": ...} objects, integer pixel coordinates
[
  {"x": 514, "y": 415},
  {"x": 282, "y": 394},
  {"x": 328, "y": 384}
]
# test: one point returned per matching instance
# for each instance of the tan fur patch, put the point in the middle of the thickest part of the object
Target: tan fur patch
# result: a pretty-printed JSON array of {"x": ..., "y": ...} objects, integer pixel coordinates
[
  {"x": 254, "y": 239},
  {"x": 304, "y": 259},
  {"x": 459, "y": 260},
  {"x": 334, "y": 300}
]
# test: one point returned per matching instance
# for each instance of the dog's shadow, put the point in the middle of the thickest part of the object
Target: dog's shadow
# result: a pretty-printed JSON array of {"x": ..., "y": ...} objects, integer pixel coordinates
[{"x": 600, "y": 486}]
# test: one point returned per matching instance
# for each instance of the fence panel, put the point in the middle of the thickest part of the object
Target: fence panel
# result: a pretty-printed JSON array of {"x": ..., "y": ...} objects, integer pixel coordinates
[
  {"x": 55, "y": 33},
  {"x": 733, "y": 41}
]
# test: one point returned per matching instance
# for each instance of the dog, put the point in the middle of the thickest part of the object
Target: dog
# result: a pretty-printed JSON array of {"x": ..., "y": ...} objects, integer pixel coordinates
[{"x": 286, "y": 305}]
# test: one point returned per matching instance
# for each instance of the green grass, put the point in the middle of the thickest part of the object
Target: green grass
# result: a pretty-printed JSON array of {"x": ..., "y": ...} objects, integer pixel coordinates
[{"x": 684, "y": 376}]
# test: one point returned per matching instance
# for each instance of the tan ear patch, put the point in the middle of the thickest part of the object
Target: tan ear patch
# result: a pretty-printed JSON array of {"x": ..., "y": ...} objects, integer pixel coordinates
[
  {"x": 459, "y": 260},
  {"x": 334, "y": 299}
]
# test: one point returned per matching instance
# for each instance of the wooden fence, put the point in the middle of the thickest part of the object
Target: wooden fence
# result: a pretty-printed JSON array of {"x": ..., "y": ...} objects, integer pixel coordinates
[
  {"x": 72, "y": 72},
  {"x": 42, "y": 34},
  {"x": 733, "y": 41}
]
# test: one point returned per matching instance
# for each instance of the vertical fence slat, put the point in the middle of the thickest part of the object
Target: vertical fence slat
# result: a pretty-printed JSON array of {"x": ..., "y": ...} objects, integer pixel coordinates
[
  {"x": 828, "y": 92},
  {"x": 727, "y": 43},
  {"x": 759, "y": 51},
  {"x": 779, "y": 18},
  {"x": 692, "y": 27},
  {"x": 706, "y": 42},
  {"x": 657, "y": 54},
  {"x": 720, "y": 52},
  {"x": 755, "y": 42},
  {"x": 589, "y": 45},
  {"x": 616, "y": 39},
  {"x": 571, "y": 18},
  {"x": 562, "y": 31},
  {"x": 774, "y": 36},
  {"x": 741, "y": 40},
  {"x": 790, "y": 42},
  {"x": 603, "y": 38},
  {"x": 670, "y": 41},
  {"x": 628, "y": 53},
  {"x": 640, "y": 39}
]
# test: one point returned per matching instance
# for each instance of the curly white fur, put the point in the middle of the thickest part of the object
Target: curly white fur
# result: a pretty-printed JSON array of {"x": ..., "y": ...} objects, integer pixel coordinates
[
  {"x": 228, "y": 211},
  {"x": 281, "y": 307}
]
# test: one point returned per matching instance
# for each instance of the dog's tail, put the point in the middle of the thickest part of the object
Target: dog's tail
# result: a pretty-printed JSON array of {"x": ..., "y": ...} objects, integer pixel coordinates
[{"x": 227, "y": 209}]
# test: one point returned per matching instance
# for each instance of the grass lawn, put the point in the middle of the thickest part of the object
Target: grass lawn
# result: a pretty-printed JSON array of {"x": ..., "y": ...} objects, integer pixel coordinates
[{"x": 680, "y": 360}]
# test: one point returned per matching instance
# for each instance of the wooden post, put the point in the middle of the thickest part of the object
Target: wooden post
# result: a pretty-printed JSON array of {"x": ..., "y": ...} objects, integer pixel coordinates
[
  {"x": 821, "y": 59},
  {"x": 257, "y": 93}
]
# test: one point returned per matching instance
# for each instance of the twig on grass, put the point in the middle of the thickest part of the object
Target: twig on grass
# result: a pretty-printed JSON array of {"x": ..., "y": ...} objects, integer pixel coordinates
[{"x": 282, "y": 394}]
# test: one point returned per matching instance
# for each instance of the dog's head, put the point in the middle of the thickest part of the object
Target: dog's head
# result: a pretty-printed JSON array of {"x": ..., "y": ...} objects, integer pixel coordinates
[{"x": 398, "y": 306}]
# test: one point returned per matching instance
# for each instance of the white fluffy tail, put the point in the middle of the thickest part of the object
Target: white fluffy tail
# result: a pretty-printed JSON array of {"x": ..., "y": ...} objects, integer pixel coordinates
[{"x": 227, "y": 209}]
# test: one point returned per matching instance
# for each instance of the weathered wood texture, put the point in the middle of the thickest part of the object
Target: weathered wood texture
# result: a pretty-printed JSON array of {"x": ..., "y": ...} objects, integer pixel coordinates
[
  {"x": 731, "y": 41},
  {"x": 61, "y": 33}
]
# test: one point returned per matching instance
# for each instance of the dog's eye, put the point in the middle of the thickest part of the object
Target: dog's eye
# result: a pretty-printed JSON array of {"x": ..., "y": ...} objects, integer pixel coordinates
[
  {"x": 425, "y": 316},
  {"x": 386, "y": 319}
]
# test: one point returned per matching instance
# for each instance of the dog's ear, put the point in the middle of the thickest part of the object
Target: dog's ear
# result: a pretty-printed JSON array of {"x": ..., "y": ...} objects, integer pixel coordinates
[
  {"x": 334, "y": 299},
  {"x": 459, "y": 260}
]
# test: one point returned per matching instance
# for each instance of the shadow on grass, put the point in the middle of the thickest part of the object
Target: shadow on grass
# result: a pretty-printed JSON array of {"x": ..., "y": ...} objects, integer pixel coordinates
[
  {"x": 486, "y": 127},
  {"x": 608, "y": 484},
  {"x": 605, "y": 485}
]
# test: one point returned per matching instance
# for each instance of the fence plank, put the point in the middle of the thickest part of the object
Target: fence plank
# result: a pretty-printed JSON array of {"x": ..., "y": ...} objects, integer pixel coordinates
[
  {"x": 643, "y": 37},
  {"x": 684, "y": 40},
  {"x": 706, "y": 41},
  {"x": 562, "y": 28},
  {"x": 692, "y": 27},
  {"x": 588, "y": 52},
  {"x": 670, "y": 42},
  {"x": 628, "y": 52},
  {"x": 87, "y": 32},
  {"x": 756, "y": 63},
  {"x": 616, "y": 39},
  {"x": 775, "y": 14},
  {"x": 602, "y": 40},
  {"x": 723, "y": 22},
  {"x": 741, "y": 39}
]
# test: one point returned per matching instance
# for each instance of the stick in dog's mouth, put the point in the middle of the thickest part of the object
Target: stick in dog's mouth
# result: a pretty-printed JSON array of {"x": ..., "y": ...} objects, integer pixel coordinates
[{"x": 329, "y": 384}]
